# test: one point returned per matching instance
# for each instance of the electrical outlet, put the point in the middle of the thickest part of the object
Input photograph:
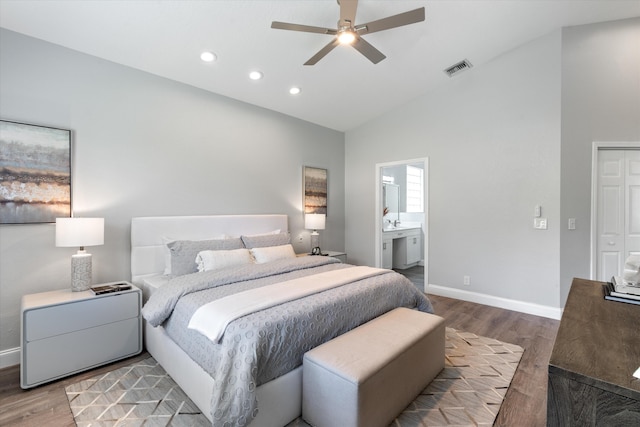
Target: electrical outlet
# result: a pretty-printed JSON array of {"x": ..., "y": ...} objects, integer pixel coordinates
[{"x": 467, "y": 280}]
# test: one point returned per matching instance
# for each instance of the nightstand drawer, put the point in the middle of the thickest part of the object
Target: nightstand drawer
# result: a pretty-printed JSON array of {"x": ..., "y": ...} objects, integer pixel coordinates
[
  {"x": 50, "y": 321},
  {"x": 62, "y": 355}
]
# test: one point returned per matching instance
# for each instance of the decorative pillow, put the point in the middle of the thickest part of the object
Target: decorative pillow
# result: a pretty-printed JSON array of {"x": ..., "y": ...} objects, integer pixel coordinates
[
  {"x": 183, "y": 252},
  {"x": 266, "y": 240},
  {"x": 272, "y": 253},
  {"x": 167, "y": 252},
  {"x": 215, "y": 260}
]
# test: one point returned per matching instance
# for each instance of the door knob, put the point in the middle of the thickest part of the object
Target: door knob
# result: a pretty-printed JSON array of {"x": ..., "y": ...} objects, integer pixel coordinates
[{"x": 612, "y": 243}]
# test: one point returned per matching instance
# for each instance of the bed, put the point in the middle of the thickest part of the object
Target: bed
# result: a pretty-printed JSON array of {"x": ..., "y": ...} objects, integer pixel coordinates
[{"x": 272, "y": 396}]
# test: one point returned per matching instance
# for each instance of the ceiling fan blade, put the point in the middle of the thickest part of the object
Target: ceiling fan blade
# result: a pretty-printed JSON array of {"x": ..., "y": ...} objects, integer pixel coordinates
[
  {"x": 406, "y": 18},
  {"x": 348, "y": 11},
  {"x": 323, "y": 52},
  {"x": 305, "y": 28},
  {"x": 365, "y": 48}
]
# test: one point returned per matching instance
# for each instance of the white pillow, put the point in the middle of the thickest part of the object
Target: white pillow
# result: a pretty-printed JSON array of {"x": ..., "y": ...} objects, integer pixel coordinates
[
  {"x": 272, "y": 253},
  {"x": 215, "y": 260}
]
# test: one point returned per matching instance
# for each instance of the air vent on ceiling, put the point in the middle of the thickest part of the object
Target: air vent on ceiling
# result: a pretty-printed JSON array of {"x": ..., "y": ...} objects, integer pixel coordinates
[{"x": 457, "y": 68}]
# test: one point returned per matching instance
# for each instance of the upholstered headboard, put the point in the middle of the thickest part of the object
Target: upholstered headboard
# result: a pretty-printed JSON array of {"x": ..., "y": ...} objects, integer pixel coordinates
[{"x": 147, "y": 233}]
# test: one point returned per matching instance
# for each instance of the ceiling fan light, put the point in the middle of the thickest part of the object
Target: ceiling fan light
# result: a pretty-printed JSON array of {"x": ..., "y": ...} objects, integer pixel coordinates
[
  {"x": 346, "y": 37},
  {"x": 208, "y": 56}
]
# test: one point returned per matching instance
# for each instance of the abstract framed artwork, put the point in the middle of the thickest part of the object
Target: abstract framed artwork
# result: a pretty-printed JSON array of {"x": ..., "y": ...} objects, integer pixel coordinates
[
  {"x": 35, "y": 173},
  {"x": 315, "y": 190}
]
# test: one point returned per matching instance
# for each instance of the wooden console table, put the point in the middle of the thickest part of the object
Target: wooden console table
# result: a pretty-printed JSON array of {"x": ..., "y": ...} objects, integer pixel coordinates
[{"x": 595, "y": 354}]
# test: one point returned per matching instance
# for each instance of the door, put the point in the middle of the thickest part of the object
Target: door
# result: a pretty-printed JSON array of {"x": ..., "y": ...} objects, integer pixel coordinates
[
  {"x": 382, "y": 251},
  {"x": 618, "y": 210}
]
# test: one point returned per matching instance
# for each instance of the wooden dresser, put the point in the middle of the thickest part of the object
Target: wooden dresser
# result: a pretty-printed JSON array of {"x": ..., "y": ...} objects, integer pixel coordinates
[{"x": 596, "y": 352}]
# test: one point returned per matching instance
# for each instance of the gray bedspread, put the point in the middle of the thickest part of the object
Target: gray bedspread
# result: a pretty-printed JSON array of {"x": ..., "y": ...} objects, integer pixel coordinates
[{"x": 262, "y": 346}]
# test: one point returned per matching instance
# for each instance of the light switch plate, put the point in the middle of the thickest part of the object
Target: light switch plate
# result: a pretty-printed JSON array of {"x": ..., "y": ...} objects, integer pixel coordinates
[{"x": 540, "y": 223}]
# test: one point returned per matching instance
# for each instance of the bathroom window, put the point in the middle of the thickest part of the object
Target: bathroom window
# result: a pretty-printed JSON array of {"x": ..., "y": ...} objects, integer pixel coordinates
[{"x": 415, "y": 191}]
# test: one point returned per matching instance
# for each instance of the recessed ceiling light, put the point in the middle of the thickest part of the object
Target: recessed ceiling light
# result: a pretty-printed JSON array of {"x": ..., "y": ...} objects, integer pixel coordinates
[
  {"x": 295, "y": 90},
  {"x": 208, "y": 56},
  {"x": 255, "y": 75}
]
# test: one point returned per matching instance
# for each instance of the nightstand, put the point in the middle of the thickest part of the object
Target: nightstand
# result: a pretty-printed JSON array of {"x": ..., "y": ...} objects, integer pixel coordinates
[
  {"x": 335, "y": 254},
  {"x": 65, "y": 332}
]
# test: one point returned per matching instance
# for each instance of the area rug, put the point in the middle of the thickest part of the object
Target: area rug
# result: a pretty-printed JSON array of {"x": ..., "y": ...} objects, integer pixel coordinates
[{"x": 468, "y": 392}]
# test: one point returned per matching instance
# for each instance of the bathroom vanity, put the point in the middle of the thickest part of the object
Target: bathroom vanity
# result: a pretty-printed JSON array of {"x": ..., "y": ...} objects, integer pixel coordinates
[{"x": 401, "y": 247}]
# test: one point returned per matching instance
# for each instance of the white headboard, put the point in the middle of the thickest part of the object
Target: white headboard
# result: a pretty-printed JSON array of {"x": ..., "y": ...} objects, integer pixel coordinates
[{"x": 147, "y": 248}]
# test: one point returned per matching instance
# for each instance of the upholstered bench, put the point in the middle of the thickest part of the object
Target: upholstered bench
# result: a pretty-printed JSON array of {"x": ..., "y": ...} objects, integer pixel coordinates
[{"x": 367, "y": 376}]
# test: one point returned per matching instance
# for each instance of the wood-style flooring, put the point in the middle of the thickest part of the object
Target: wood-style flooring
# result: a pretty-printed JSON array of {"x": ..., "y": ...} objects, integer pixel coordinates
[
  {"x": 526, "y": 401},
  {"x": 524, "y": 404}
]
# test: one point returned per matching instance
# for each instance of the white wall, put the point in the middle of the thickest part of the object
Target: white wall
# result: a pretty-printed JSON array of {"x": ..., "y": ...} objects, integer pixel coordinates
[
  {"x": 600, "y": 102},
  {"x": 144, "y": 145},
  {"x": 492, "y": 136}
]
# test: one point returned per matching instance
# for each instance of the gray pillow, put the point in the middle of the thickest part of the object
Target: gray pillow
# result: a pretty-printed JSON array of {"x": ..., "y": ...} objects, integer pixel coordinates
[
  {"x": 265, "y": 240},
  {"x": 184, "y": 252}
]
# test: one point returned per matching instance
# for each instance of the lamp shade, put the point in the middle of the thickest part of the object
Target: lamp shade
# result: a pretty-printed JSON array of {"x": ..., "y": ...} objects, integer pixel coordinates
[
  {"x": 314, "y": 221},
  {"x": 79, "y": 232}
]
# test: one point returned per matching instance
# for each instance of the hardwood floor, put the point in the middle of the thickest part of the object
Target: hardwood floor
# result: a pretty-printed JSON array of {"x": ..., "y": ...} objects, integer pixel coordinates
[
  {"x": 526, "y": 401},
  {"x": 524, "y": 404},
  {"x": 46, "y": 405}
]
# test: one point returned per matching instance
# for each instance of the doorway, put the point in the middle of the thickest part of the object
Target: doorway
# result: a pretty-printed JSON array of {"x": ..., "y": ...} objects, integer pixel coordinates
[
  {"x": 411, "y": 209},
  {"x": 615, "y": 210}
]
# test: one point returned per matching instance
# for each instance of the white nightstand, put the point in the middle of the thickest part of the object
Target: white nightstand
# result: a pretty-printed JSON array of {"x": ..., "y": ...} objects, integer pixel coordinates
[
  {"x": 335, "y": 254},
  {"x": 65, "y": 332}
]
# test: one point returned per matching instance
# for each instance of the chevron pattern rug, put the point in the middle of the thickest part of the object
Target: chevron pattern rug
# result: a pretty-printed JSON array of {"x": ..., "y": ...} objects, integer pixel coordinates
[{"x": 468, "y": 392}]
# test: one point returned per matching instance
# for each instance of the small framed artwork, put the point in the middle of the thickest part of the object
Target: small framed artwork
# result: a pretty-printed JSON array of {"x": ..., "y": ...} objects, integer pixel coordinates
[
  {"x": 315, "y": 190},
  {"x": 35, "y": 173}
]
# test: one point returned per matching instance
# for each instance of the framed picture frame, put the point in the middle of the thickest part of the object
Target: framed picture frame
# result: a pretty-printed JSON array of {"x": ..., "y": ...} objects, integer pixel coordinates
[
  {"x": 35, "y": 173},
  {"x": 314, "y": 190}
]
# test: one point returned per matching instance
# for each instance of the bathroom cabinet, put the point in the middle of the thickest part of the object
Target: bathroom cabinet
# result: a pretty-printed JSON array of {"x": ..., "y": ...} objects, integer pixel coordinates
[{"x": 401, "y": 248}]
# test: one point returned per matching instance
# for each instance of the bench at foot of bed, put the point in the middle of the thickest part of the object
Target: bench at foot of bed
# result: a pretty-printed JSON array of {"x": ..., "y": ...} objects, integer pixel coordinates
[{"x": 369, "y": 375}]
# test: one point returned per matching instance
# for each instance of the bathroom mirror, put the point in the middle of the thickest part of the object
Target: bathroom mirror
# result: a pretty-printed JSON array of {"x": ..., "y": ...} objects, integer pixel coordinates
[{"x": 390, "y": 195}]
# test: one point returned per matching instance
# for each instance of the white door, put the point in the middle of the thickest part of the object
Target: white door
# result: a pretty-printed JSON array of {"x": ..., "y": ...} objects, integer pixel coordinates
[{"x": 618, "y": 216}]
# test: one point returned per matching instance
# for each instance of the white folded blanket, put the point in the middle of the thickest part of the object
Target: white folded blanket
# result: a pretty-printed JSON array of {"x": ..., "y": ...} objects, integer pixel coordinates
[{"x": 212, "y": 319}]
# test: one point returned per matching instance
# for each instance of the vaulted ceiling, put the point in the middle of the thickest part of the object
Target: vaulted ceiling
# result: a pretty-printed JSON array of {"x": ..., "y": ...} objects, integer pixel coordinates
[{"x": 344, "y": 89}]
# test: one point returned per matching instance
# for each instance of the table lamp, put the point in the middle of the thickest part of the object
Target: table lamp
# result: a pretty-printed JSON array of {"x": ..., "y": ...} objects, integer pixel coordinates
[
  {"x": 315, "y": 222},
  {"x": 80, "y": 232}
]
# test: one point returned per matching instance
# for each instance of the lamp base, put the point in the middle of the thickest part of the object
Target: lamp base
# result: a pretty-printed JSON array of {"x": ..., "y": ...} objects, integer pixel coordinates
[{"x": 80, "y": 271}]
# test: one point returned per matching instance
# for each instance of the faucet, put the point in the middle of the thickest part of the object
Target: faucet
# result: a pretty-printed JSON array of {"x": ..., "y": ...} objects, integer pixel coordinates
[{"x": 396, "y": 222}]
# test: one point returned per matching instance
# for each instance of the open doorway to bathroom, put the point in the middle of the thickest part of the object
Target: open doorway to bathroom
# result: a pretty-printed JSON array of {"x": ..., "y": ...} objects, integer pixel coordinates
[{"x": 402, "y": 227}]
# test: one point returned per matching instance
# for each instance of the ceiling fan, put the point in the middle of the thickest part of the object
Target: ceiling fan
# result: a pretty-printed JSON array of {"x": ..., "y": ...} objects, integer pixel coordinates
[{"x": 349, "y": 33}]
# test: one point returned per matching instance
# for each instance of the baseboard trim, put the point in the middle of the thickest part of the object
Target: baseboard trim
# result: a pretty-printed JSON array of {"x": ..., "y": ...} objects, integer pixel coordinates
[
  {"x": 9, "y": 357},
  {"x": 508, "y": 304}
]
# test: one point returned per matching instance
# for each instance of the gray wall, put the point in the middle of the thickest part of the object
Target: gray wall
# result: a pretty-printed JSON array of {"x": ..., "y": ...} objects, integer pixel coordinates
[
  {"x": 600, "y": 102},
  {"x": 144, "y": 145},
  {"x": 502, "y": 138},
  {"x": 492, "y": 136}
]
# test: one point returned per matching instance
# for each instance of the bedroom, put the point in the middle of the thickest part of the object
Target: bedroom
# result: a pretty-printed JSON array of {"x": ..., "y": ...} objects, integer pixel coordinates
[{"x": 145, "y": 145}]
